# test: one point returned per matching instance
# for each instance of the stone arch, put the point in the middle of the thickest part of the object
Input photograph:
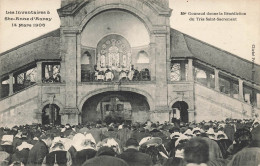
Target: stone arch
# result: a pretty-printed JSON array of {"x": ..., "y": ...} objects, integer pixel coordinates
[
  {"x": 51, "y": 114},
  {"x": 190, "y": 106},
  {"x": 86, "y": 58},
  {"x": 138, "y": 91},
  {"x": 55, "y": 101},
  {"x": 191, "y": 112},
  {"x": 182, "y": 108},
  {"x": 142, "y": 57},
  {"x": 142, "y": 17}
]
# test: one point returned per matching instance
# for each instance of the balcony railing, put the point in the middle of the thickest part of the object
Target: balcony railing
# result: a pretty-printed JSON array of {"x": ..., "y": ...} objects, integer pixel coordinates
[{"x": 114, "y": 76}]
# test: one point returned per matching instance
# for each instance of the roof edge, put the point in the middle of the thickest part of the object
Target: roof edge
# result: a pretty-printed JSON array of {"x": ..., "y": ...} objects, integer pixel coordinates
[
  {"x": 236, "y": 56},
  {"x": 48, "y": 34}
]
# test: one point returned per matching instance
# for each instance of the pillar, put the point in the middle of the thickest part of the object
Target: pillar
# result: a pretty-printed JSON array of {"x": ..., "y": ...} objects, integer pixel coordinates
[
  {"x": 190, "y": 70},
  {"x": 191, "y": 115},
  {"x": 39, "y": 72},
  {"x": 11, "y": 88},
  {"x": 240, "y": 89},
  {"x": 69, "y": 49},
  {"x": 78, "y": 58},
  {"x": 161, "y": 90},
  {"x": 64, "y": 119},
  {"x": 231, "y": 88},
  {"x": 208, "y": 79},
  {"x": 183, "y": 71},
  {"x": 216, "y": 71},
  {"x": 152, "y": 61}
]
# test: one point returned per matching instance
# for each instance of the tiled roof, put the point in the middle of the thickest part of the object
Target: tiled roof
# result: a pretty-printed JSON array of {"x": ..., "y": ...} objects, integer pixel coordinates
[
  {"x": 186, "y": 46},
  {"x": 42, "y": 48}
]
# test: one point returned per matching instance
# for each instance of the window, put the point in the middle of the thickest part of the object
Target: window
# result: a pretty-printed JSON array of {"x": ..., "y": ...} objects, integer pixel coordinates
[
  {"x": 24, "y": 78},
  {"x": 176, "y": 72},
  {"x": 179, "y": 70},
  {"x": 86, "y": 58},
  {"x": 51, "y": 72},
  {"x": 142, "y": 57},
  {"x": 200, "y": 76},
  {"x": 224, "y": 85},
  {"x": 204, "y": 75}
]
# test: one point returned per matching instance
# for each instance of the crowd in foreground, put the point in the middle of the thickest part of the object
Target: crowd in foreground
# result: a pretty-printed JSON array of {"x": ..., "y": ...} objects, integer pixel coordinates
[{"x": 215, "y": 143}]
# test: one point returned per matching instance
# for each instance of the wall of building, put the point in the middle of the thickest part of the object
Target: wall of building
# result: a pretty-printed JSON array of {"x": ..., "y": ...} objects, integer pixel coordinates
[
  {"x": 115, "y": 22},
  {"x": 210, "y": 103},
  {"x": 20, "y": 108}
]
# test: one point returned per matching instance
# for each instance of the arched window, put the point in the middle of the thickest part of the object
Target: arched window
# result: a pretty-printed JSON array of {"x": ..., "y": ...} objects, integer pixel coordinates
[
  {"x": 86, "y": 58},
  {"x": 142, "y": 57}
]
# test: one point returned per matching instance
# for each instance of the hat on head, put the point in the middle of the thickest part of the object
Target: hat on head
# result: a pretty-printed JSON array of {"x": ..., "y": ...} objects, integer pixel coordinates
[
  {"x": 105, "y": 150},
  {"x": 7, "y": 140},
  {"x": 131, "y": 142},
  {"x": 152, "y": 141},
  {"x": 175, "y": 135},
  {"x": 182, "y": 137}
]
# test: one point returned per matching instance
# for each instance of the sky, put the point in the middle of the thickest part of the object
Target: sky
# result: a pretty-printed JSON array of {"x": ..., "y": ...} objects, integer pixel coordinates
[{"x": 237, "y": 37}]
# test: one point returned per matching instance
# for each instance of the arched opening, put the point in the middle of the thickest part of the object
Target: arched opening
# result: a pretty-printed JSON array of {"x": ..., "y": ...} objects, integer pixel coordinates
[
  {"x": 180, "y": 111},
  {"x": 50, "y": 114},
  {"x": 142, "y": 57},
  {"x": 115, "y": 107},
  {"x": 85, "y": 58}
]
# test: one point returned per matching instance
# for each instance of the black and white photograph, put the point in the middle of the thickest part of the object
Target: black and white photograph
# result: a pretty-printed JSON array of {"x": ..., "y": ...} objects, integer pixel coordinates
[{"x": 129, "y": 83}]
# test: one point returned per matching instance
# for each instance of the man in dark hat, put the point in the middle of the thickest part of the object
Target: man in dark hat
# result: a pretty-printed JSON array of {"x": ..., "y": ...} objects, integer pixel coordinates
[
  {"x": 155, "y": 132},
  {"x": 249, "y": 155},
  {"x": 40, "y": 150},
  {"x": 105, "y": 156},
  {"x": 132, "y": 155}
]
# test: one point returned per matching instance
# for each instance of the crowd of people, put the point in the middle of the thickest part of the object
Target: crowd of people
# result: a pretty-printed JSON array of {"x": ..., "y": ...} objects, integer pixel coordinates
[
  {"x": 108, "y": 74},
  {"x": 215, "y": 143}
]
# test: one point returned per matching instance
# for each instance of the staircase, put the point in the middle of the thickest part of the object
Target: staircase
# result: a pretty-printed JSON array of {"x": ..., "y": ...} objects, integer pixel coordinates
[
  {"x": 214, "y": 105},
  {"x": 14, "y": 108}
]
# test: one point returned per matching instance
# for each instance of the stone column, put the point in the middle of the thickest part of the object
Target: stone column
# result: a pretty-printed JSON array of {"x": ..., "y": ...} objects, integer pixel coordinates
[
  {"x": 161, "y": 92},
  {"x": 190, "y": 70},
  {"x": 216, "y": 71},
  {"x": 240, "y": 89},
  {"x": 64, "y": 119},
  {"x": 78, "y": 58},
  {"x": 152, "y": 59},
  {"x": 231, "y": 88},
  {"x": 191, "y": 113},
  {"x": 11, "y": 88},
  {"x": 69, "y": 50},
  {"x": 39, "y": 72},
  {"x": 183, "y": 71},
  {"x": 208, "y": 79}
]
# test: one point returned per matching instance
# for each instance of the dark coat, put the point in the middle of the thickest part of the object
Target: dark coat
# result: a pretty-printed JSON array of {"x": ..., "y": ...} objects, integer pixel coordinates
[
  {"x": 229, "y": 130},
  {"x": 37, "y": 153},
  {"x": 56, "y": 157},
  {"x": 7, "y": 148},
  {"x": 158, "y": 133},
  {"x": 174, "y": 161},
  {"x": 73, "y": 153},
  {"x": 105, "y": 160},
  {"x": 83, "y": 155},
  {"x": 21, "y": 156},
  {"x": 135, "y": 158}
]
